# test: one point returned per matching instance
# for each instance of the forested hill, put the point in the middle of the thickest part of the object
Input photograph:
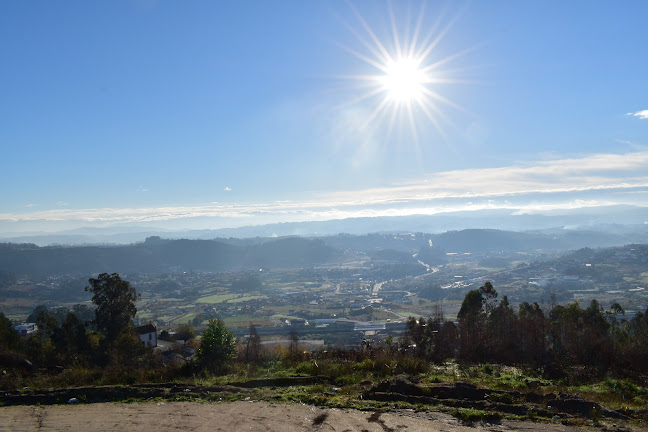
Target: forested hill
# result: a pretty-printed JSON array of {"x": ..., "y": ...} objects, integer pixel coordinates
[
  {"x": 490, "y": 240},
  {"x": 156, "y": 255}
]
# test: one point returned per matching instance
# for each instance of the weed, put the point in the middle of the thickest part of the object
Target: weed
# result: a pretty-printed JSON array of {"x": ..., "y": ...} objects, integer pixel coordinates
[
  {"x": 469, "y": 416},
  {"x": 505, "y": 398}
]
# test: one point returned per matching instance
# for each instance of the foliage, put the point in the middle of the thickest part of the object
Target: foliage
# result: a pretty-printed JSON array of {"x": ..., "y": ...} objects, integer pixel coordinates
[
  {"x": 184, "y": 332},
  {"x": 217, "y": 347},
  {"x": 115, "y": 299},
  {"x": 246, "y": 283},
  {"x": 469, "y": 416},
  {"x": 472, "y": 327},
  {"x": 253, "y": 346},
  {"x": 9, "y": 338}
]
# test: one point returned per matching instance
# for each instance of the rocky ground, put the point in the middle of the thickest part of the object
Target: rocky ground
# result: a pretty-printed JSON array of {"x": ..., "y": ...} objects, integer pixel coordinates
[
  {"x": 238, "y": 416},
  {"x": 391, "y": 405}
]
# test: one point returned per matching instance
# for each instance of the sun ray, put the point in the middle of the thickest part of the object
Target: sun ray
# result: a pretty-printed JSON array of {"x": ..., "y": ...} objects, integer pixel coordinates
[
  {"x": 392, "y": 19},
  {"x": 361, "y": 98},
  {"x": 417, "y": 30},
  {"x": 427, "y": 46},
  {"x": 409, "y": 72},
  {"x": 447, "y": 101},
  {"x": 392, "y": 122},
  {"x": 375, "y": 63},
  {"x": 426, "y": 110},
  {"x": 449, "y": 58},
  {"x": 383, "y": 106},
  {"x": 385, "y": 54},
  {"x": 410, "y": 117}
]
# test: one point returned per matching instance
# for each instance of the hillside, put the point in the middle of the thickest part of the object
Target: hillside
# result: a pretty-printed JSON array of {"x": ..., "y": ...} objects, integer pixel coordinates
[{"x": 156, "y": 255}]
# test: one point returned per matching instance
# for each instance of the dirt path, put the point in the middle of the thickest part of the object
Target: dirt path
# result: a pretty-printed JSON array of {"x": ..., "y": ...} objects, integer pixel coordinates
[{"x": 235, "y": 416}]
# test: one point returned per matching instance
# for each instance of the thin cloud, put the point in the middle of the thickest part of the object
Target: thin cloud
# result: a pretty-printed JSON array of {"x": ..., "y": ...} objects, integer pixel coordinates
[
  {"x": 227, "y": 189},
  {"x": 599, "y": 179},
  {"x": 643, "y": 114},
  {"x": 141, "y": 189}
]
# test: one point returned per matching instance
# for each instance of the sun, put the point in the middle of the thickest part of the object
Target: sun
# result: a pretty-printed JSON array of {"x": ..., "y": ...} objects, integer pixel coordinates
[
  {"x": 404, "y": 80},
  {"x": 409, "y": 71}
]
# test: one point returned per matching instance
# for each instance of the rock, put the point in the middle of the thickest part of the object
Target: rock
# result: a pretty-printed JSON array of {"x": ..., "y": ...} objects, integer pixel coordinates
[
  {"x": 406, "y": 387},
  {"x": 577, "y": 406}
]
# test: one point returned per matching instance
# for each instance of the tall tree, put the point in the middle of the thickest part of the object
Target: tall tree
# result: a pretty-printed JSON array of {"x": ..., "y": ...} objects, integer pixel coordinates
[
  {"x": 9, "y": 338},
  {"x": 115, "y": 299},
  {"x": 217, "y": 347},
  {"x": 184, "y": 332},
  {"x": 502, "y": 333},
  {"x": 73, "y": 342},
  {"x": 472, "y": 321},
  {"x": 253, "y": 346},
  {"x": 532, "y": 332}
]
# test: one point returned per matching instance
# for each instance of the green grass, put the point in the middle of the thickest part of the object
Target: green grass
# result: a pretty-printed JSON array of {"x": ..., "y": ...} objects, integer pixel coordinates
[
  {"x": 228, "y": 298},
  {"x": 216, "y": 298},
  {"x": 643, "y": 277},
  {"x": 469, "y": 416},
  {"x": 247, "y": 298}
]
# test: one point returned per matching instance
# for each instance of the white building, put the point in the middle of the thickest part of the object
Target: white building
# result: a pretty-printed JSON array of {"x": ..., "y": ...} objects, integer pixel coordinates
[
  {"x": 147, "y": 334},
  {"x": 26, "y": 328}
]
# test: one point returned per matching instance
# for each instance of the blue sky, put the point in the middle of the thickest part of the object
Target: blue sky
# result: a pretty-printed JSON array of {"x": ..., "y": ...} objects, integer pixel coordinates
[{"x": 212, "y": 114}]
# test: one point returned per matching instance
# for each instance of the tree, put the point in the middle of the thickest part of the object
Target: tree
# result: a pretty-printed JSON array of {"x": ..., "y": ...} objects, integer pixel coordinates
[
  {"x": 73, "y": 342},
  {"x": 9, "y": 338},
  {"x": 293, "y": 350},
  {"x": 41, "y": 346},
  {"x": 501, "y": 333},
  {"x": 184, "y": 332},
  {"x": 115, "y": 299},
  {"x": 489, "y": 296},
  {"x": 217, "y": 347},
  {"x": 247, "y": 283},
  {"x": 472, "y": 320},
  {"x": 253, "y": 346},
  {"x": 34, "y": 315},
  {"x": 532, "y": 332}
]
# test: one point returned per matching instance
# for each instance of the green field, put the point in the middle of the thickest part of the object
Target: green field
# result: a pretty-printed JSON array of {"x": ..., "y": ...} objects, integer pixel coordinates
[
  {"x": 216, "y": 298},
  {"x": 229, "y": 298},
  {"x": 247, "y": 298}
]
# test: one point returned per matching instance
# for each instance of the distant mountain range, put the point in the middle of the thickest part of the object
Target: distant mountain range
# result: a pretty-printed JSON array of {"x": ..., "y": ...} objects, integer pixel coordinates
[
  {"x": 600, "y": 221},
  {"x": 158, "y": 255}
]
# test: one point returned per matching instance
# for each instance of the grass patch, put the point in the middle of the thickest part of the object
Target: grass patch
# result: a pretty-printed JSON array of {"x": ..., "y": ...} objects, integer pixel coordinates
[
  {"x": 468, "y": 416},
  {"x": 216, "y": 298},
  {"x": 247, "y": 298}
]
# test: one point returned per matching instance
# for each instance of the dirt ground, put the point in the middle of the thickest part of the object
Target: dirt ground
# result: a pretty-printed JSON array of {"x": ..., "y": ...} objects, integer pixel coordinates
[{"x": 235, "y": 416}]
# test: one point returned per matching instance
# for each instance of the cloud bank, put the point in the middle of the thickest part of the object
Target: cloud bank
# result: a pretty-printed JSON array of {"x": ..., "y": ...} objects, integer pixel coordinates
[{"x": 568, "y": 183}]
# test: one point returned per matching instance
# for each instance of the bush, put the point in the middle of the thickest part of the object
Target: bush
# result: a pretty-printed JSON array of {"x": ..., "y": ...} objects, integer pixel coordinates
[{"x": 217, "y": 347}]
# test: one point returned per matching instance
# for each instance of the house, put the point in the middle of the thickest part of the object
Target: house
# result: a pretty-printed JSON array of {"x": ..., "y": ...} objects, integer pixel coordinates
[
  {"x": 26, "y": 328},
  {"x": 147, "y": 334}
]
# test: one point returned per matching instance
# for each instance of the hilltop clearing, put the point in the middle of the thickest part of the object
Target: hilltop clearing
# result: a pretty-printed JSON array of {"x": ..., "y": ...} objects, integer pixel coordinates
[{"x": 239, "y": 416}]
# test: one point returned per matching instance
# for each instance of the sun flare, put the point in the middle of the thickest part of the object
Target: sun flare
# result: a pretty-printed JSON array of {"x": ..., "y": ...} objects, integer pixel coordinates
[
  {"x": 404, "y": 80},
  {"x": 409, "y": 71}
]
